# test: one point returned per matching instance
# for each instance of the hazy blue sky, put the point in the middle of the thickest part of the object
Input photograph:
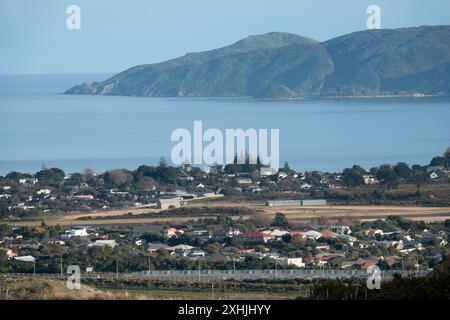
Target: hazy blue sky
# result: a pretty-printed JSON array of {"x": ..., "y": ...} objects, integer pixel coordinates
[{"x": 117, "y": 34}]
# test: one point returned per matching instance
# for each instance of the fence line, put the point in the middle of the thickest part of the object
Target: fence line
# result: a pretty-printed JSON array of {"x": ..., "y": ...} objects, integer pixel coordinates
[{"x": 205, "y": 275}]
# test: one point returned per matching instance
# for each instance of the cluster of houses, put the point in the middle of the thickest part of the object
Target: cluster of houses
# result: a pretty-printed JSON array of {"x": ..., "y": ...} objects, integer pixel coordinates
[
  {"x": 330, "y": 246},
  {"x": 336, "y": 246},
  {"x": 29, "y": 194}
]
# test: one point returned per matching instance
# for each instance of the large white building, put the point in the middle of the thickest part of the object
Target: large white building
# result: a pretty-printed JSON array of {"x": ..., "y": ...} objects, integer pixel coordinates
[
  {"x": 290, "y": 203},
  {"x": 168, "y": 203}
]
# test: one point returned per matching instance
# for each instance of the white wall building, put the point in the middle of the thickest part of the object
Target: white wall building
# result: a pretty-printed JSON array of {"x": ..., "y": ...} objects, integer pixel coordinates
[
  {"x": 265, "y": 172},
  {"x": 340, "y": 229},
  {"x": 75, "y": 233},
  {"x": 44, "y": 191},
  {"x": 168, "y": 203},
  {"x": 297, "y": 262},
  {"x": 103, "y": 243}
]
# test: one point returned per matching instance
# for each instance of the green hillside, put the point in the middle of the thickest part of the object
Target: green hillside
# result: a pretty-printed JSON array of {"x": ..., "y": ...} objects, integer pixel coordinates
[{"x": 402, "y": 61}]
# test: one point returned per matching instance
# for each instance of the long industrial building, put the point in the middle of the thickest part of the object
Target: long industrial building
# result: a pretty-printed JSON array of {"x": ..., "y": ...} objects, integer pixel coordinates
[{"x": 295, "y": 203}]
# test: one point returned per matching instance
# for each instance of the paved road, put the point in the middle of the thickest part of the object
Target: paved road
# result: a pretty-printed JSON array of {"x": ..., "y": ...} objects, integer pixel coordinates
[{"x": 210, "y": 275}]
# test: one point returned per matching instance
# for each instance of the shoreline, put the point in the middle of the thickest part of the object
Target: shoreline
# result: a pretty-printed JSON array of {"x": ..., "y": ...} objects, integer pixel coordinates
[{"x": 275, "y": 99}]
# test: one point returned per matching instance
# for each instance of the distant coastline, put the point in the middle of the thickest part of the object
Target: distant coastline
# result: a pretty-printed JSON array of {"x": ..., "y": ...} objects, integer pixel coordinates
[{"x": 402, "y": 96}]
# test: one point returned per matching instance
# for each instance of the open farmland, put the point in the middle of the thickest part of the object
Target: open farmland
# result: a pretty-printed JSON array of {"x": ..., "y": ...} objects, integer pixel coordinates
[{"x": 296, "y": 214}]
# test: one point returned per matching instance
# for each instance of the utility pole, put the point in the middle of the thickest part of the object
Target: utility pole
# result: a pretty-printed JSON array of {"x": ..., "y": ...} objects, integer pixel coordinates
[
  {"x": 34, "y": 267},
  {"x": 199, "y": 274},
  {"x": 117, "y": 269},
  {"x": 276, "y": 268},
  {"x": 60, "y": 262},
  {"x": 149, "y": 265}
]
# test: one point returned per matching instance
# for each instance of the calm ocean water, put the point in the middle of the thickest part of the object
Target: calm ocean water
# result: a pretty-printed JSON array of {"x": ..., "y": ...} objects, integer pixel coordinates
[{"x": 38, "y": 124}]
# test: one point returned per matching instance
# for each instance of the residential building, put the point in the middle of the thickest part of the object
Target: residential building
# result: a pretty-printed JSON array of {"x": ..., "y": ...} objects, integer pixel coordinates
[
  {"x": 75, "y": 233},
  {"x": 297, "y": 262},
  {"x": 252, "y": 237},
  {"x": 340, "y": 229},
  {"x": 103, "y": 243},
  {"x": 267, "y": 171}
]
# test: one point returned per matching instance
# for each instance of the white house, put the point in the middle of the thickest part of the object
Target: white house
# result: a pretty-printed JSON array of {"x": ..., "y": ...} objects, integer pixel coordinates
[
  {"x": 312, "y": 234},
  {"x": 198, "y": 253},
  {"x": 265, "y": 172},
  {"x": 243, "y": 180},
  {"x": 180, "y": 247},
  {"x": 28, "y": 181},
  {"x": 44, "y": 191},
  {"x": 75, "y": 233},
  {"x": 434, "y": 175},
  {"x": 282, "y": 175},
  {"x": 340, "y": 229},
  {"x": 369, "y": 179},
  {"x": 278, "y": 233},
  {"x": 297, "y": 262},
  {"x": 103, "y": 243},
  {"x": 305, "y": 186}
]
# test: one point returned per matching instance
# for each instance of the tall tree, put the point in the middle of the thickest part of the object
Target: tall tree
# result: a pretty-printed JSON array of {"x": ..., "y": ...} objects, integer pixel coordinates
[{"x": 280, "y": 220}]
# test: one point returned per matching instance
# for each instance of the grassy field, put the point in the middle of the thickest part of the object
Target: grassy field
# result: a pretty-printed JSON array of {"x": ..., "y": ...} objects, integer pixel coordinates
[
  {"x": 29, "y": 288},
  {"x": 300, "y": 214}
]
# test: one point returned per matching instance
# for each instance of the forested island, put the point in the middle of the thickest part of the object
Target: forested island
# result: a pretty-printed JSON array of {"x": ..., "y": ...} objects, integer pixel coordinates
[{"x": 371, "y": 63}]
